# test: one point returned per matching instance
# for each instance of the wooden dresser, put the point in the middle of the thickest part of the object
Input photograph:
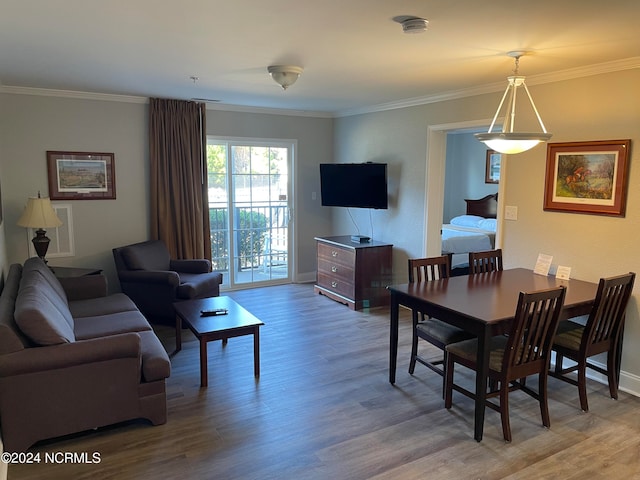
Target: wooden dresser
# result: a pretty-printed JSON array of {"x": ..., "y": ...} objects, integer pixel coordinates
[{"x": 355, "y": 274}]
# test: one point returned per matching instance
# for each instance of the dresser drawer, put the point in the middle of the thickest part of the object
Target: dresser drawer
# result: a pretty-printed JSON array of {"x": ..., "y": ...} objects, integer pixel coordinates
[
  {"x": 336, "y": 269},
  {"x": 336, "y": 255},
  {"x": 336, "y": 284}
]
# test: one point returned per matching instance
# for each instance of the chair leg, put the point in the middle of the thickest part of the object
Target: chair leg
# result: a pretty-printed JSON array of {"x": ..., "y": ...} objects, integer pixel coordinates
[
  {"x": 448, "y": 382},
  {"x": 414, "y": 343},
  {"x": 582, "y": 385},
  {"x": 558, "y": 365},
  {"x": 542, "y": 398},
  {"x": 504, "y": 410},
  {"x": 612, "y": 372}
]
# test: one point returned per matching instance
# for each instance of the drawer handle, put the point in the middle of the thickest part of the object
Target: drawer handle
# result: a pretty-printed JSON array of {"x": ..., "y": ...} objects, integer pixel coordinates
[
  {"x": 334, "y": 284},
  {"x": 334, "y": 253},
  {"x": 334, "y": 269}
]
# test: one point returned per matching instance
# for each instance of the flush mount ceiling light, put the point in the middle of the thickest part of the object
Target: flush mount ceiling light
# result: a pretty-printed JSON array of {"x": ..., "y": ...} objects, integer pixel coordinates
[
  {"x": 284, "y": 75},
  {"x": 414, "y": 25},
  {"x": 508, "y": 141}
]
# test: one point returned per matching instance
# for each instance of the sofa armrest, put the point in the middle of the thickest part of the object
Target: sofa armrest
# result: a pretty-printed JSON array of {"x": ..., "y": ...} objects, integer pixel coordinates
[
  {"x": 40, "y": 359},
  {"x": 191, "y": 266},
  {"x": 82, "y": 288},
  {"x": 149, "y": 276}
]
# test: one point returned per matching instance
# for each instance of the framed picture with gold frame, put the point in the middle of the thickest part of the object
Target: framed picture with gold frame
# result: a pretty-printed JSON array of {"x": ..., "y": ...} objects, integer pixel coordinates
[
  {"x": 81, "y": 175},
  {"x": 587, "y": 177}
]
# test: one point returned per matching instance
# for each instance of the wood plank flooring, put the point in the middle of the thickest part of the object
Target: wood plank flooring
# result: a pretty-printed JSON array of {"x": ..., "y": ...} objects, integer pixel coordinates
[{"x": 323, "y": 409}]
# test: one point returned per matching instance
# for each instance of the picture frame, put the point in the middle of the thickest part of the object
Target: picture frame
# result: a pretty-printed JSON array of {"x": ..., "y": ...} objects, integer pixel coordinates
[
  {"x": 81, "y": 175},
  {"x": 587, "y": 177},
  {"x": 492, "y": 168}
]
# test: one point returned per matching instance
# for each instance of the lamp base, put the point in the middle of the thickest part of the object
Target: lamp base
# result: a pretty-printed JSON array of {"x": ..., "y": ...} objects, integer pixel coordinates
[{"x": 41, "y": 243}]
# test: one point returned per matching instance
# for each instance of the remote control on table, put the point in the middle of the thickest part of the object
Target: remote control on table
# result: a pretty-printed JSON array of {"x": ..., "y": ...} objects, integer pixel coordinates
[{"x": 214, "y": 312}]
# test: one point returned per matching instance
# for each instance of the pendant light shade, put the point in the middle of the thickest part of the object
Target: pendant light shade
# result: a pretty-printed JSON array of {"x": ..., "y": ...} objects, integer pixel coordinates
[{"x": 507, "y": 141}]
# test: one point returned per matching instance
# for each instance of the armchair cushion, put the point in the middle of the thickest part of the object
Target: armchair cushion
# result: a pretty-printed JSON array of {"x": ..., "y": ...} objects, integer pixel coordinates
[{"x": 151, "y": 255}]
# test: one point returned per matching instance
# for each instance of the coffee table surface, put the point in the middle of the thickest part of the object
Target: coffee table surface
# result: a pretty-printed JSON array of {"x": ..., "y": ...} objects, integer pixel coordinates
[{"x": 237, "y": 317}]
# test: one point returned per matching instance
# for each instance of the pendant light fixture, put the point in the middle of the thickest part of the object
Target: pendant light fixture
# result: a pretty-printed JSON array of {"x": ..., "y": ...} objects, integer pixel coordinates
[{"x": 508, "y": 141}]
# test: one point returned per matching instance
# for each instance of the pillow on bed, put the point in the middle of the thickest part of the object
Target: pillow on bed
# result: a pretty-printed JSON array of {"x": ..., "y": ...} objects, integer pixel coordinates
[
  {"x": 467, "y": 221},
  {"x": 488, "y": 224}
]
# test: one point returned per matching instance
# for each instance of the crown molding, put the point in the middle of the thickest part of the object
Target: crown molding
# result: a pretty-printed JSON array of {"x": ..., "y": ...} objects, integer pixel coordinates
[
  {"x": 561, "y": 75},
  {"x": 108, "y": 97}
]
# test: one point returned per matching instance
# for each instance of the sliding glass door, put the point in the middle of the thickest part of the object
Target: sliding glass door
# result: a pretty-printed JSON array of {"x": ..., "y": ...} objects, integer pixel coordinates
[{"x": 249, "y": 210}]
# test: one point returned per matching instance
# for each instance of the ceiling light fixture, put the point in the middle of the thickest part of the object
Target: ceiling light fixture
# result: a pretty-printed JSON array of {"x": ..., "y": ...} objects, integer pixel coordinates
[
  {"x": 508, "y": 141},
  {"x": 414, "y": 25},
  {"x": 284, "y": 75}
]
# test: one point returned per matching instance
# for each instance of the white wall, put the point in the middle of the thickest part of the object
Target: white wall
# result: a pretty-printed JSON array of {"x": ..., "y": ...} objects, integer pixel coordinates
[{"x": 599, "y": 107}]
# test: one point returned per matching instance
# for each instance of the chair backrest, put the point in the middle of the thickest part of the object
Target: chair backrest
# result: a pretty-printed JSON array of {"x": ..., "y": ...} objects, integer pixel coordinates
[
  {"x": 532, "y": 331},
  {"x": 149, "y": 255},
  {"x": 427, "y": 269},
  {"x": 483, "y": 262},
  {"x": 607, "y": 315}
]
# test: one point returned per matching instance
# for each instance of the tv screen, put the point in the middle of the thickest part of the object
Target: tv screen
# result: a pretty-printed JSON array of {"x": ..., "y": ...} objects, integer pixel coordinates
[{"x": 361, "y": 185}]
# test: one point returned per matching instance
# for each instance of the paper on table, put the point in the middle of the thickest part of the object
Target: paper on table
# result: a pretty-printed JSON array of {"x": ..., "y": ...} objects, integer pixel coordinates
[
  {"x": 543, "y": 264},
  {"x": 563, "y": 273}
]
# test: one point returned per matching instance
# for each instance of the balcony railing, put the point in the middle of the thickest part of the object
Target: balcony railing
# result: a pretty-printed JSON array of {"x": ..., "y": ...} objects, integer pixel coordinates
[{"x": 260, "y": 233}]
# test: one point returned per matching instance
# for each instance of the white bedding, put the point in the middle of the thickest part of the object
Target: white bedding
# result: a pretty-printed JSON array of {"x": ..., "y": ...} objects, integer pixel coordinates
[{"x": 461, "y": 240}]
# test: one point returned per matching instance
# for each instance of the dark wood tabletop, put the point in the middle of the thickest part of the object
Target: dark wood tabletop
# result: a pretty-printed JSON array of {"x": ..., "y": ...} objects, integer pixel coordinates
[{"x": 236, "y": 318}]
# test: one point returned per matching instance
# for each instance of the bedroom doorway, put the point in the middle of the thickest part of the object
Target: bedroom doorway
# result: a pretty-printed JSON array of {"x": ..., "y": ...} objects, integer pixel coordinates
[
  {"x": 249, "y": 210},
  {"x": 435, "y": 182}
]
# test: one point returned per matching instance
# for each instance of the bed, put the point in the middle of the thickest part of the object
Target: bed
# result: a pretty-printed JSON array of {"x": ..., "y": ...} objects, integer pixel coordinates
[{"x": 473, "y": 232}]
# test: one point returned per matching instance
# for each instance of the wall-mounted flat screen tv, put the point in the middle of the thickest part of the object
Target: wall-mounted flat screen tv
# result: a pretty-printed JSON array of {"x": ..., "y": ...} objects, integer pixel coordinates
[{"x": 361, "y": 185}]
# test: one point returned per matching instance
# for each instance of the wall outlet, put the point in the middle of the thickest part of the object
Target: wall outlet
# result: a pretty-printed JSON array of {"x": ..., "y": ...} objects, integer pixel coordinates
[{"x": 510, "y": 212}]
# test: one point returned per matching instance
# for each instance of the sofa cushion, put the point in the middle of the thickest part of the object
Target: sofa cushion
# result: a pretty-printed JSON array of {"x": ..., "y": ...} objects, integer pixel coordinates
[
  {"x": 11, "y": 338},
  {"x": 117, "y": 302},
  {"x": 113, "y": 324},
  {"x": 36, "y": 264},
  {"x": 152, "y": 255},
  {"x": 35, "y": 279},
  {"x": 39, "y": 319}
]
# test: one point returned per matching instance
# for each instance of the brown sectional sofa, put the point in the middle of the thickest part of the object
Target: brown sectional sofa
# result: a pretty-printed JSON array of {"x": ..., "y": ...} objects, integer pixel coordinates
[{"x": 73, "y": 358}]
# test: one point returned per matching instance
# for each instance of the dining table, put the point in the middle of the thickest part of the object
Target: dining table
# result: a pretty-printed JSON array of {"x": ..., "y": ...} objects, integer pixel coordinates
[{"x": 483, "y": 304}]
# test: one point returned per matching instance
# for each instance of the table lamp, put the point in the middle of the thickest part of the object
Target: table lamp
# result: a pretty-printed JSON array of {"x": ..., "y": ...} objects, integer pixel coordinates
[{"x": 39, "y": 213}]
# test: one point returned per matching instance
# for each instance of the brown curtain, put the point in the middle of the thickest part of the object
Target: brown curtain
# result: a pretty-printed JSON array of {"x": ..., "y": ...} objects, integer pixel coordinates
[{"x": 178, "y": 169}]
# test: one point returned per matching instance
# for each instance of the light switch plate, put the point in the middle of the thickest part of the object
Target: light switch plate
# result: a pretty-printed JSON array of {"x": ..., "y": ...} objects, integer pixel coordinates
[{"x": 510, "y": 212}]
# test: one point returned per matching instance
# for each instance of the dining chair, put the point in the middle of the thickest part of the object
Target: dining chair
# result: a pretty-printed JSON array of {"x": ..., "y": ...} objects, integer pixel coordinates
[
  {"x": 487, "y": 261},
  {"x": 432, "y": 330},
  {"x": 602, "y": 333},
  {"x": 523, "y": 352}
]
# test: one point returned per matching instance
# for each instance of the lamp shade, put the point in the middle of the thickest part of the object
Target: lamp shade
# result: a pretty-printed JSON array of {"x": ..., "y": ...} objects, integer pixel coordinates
[{"x": 39, "y": 213}]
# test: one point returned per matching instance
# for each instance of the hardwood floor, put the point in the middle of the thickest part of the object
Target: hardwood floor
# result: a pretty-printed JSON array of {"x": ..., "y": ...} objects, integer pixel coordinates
[{"x": 323, "y": 409}]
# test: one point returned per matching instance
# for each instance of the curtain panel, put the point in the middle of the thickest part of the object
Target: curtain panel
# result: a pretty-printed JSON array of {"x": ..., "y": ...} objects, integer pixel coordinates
[{"x": 178, "y": 184}]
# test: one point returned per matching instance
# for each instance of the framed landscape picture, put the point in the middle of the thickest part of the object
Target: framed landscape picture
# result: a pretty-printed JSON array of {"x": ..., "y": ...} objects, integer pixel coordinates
[
  {"x": 81, "y": 175},
  {"x": 587, "y": 177},
  {"x": 492, "y": 167}
]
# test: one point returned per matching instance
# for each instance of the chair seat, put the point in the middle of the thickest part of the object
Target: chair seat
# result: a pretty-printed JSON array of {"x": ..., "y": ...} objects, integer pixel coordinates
[
  {"x": 569, "y": 335},
  {"x": 441, "y": 332},
  {"x": 468, "y": 350}
]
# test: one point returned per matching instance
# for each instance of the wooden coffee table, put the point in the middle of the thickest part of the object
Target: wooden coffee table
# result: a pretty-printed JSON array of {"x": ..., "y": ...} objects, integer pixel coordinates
[{"x": 235, "y": 323}]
